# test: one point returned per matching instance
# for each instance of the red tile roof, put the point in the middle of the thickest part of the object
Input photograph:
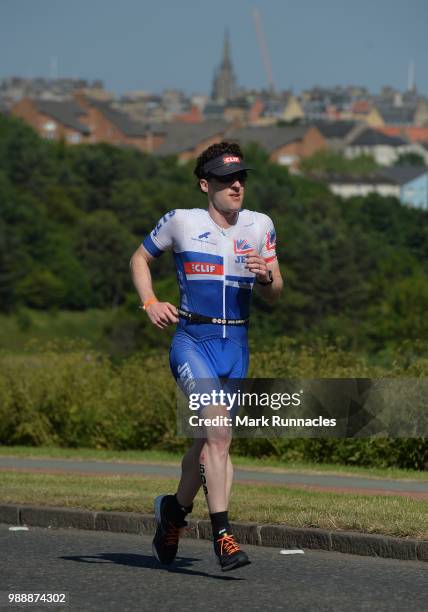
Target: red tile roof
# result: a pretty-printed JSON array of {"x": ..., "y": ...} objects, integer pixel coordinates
[
  {"x": 413, "y": 133},
  {"x": 361, "y": 106}
]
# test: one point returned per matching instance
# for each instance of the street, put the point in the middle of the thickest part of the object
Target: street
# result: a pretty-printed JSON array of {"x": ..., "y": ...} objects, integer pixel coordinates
[{"x": 116, "y": 572}]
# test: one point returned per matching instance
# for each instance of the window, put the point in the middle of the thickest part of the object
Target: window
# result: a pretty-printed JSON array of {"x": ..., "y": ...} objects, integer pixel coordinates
[
  {"x": 74, "y": 138},
  {"x": 287, "y": 160},
  {"x": 49, "y": 126}
]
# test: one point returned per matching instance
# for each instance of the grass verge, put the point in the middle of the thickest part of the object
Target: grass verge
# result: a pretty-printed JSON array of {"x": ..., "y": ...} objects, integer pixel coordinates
[
  {"x": 395, "y": 516},
  {"x": 157, "y": 456}
]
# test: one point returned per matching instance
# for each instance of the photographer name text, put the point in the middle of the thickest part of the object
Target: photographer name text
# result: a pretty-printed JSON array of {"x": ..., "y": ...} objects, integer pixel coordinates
[{"x": 263, "y": 421}]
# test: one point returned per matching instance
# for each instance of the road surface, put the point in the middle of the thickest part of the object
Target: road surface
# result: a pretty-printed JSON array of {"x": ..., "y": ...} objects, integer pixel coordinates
[{"x": 117, "y": 573}]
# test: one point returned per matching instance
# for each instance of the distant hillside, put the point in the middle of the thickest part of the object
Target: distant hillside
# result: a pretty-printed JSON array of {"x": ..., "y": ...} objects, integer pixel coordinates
[{"x": 71, "y": 216}]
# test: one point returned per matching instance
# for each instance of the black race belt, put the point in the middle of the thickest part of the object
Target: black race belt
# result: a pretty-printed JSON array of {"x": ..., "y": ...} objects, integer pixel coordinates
[{"x": 194, "y": 317}]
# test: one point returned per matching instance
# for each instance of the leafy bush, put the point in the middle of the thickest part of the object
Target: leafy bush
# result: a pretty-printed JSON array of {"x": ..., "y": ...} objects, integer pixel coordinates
[{"x": 78, "y": 398}]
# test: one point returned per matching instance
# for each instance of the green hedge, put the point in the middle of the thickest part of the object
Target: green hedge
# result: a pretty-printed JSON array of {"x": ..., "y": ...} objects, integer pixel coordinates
[{"x": 78, "y": 398}]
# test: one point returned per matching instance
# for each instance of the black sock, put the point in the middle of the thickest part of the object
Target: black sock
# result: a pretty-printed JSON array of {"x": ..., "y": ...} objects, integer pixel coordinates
[
  {"x": 220, "y": 523},
  {"x": 178, "y": 512}
]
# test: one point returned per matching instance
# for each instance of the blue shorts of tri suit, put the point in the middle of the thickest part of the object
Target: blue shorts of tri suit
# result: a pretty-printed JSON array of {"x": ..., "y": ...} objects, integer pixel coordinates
[{"x": 212, "y": 358}]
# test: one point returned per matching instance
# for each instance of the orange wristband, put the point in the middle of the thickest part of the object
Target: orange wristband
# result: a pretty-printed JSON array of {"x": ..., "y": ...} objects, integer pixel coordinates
[{"x": 149, "y": 302}]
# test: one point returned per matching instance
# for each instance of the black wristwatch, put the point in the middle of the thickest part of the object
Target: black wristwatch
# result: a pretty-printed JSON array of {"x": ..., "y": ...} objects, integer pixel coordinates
[{"x": 269, "y": 282}]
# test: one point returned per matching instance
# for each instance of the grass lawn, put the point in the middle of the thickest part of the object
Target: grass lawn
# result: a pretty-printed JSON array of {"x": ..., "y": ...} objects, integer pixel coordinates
[
  {"x": 156, "y": 456},
  {"x": 395, "y": 516}
]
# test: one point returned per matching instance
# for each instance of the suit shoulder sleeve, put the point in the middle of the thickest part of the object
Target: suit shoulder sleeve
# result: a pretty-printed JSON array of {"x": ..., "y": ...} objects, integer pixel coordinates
[
  {"x": 268, "y": 238},
  {"x": 165, "y": 233}
]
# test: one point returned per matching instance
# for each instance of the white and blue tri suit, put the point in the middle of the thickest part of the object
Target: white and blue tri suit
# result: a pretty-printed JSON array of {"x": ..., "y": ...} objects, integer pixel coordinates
[{"x": 213, "y": 281}]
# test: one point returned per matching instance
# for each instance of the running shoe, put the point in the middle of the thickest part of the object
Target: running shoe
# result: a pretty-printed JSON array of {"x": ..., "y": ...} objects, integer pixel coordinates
[
  {"x": 165, "y": 542},
  {"x": 228, "y": 552}
]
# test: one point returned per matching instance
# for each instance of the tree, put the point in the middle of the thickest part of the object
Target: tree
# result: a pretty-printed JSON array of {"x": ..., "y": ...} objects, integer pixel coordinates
[
  {"x": 410, "y": 159},
  {"x": 330, "y": 162},
  {"x": 104, "y": 249},
  {"x": 24, "y": 156},
  {"x": 401, "y": 315},
  {"x": 40, "y": 288}
]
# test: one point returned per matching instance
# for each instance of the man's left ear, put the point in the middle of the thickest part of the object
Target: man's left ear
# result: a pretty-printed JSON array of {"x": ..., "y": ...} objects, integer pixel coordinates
[{"x": 203, "y": 184}]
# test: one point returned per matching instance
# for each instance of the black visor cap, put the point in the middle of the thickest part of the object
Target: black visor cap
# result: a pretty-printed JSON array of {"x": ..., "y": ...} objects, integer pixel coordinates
[{"x": 225, "y": 164}]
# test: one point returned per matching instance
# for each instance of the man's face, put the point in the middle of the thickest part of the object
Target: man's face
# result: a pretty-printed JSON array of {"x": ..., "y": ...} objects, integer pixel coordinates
[{"x": 226, "y": 192}]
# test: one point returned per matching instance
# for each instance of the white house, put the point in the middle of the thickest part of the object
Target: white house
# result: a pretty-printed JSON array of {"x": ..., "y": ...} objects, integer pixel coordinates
[
  {"x": 352, "y": 186},
  {"x": 407, "y": 183},
  {"x": 384, "y": 149}
]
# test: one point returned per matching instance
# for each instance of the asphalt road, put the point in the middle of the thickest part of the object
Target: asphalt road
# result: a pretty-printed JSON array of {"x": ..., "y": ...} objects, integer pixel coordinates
[
  {"x": 116, "y": 572},
  {"x": 332, "y": 482}
]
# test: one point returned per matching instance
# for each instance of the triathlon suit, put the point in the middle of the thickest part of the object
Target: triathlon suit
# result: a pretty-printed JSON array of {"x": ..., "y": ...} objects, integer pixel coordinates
[{"x": 213, "y": 281}]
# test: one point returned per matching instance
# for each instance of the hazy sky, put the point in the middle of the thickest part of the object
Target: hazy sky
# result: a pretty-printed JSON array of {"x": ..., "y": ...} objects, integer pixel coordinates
[{"x": 153, "y": 45}]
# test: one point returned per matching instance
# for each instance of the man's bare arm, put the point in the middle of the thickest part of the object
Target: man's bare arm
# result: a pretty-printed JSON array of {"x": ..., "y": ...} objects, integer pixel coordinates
[
  {"x": 272, "y": 292},
  {"x": 161, "y": 314},
  {"x": 256, "y": 263}
]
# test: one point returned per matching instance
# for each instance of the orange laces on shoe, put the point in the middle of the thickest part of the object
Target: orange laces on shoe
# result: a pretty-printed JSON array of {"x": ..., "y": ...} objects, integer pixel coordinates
[
  {"x": 172, "y": 535},
  {"x": 228, "y": 543}
]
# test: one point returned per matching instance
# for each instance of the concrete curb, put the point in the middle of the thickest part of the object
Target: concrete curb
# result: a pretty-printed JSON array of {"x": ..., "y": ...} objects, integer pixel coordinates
[{"x": 278, "y": 536}]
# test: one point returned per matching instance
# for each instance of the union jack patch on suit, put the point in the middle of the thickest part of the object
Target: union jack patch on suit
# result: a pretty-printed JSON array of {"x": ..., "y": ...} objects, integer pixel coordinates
[
  {"x": 271, "y": 240},
  {"x": 242, "y": 246}
]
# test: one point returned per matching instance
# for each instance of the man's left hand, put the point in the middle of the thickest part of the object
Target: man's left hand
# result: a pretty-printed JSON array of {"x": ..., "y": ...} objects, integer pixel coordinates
[{"x": 257, "y": 265}]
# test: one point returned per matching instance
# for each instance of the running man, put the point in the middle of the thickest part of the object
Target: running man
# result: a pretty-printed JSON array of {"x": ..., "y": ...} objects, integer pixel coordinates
[{"x": 220, "y": 253}]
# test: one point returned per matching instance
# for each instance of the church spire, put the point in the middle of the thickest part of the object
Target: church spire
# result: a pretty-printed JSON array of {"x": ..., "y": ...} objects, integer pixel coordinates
[
  {"x": 224, "y": 83},
  {"x": 227, "y": 62}
]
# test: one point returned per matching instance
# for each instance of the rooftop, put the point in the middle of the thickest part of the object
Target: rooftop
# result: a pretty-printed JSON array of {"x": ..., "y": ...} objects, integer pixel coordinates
[
  {"x": 270, "y": 137},
  {"x": 370, "y": 137},
  {"x": 180, "y": 137},
  {"x": 394, "y": 175},
  {"x": 334, "y": 129},
  {"x": 65, "y": 112},
  {"x": 121, "y": 120},
  {"x": 403, "y": 174}
]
